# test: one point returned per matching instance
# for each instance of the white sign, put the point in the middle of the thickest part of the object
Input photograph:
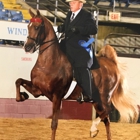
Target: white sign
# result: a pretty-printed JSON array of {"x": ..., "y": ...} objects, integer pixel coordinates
[
  {"x": 114, "y": 16},
  {"x": 13, "y": 30}
]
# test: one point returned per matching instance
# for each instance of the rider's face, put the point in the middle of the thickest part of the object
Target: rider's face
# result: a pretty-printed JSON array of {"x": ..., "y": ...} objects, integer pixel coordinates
[{"x": 75, "y": 5}]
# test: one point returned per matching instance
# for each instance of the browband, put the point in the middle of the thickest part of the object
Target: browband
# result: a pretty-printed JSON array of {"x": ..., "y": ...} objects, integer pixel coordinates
[{"x": 35, "y": 20}]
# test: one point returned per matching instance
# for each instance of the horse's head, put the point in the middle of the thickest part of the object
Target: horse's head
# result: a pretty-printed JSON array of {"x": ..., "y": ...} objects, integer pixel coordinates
[{"x": 36, "y": 33}]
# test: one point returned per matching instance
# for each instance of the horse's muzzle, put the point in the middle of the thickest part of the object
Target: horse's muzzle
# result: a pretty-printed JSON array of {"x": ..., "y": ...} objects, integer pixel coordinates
[{"x": 29, "y": 48}]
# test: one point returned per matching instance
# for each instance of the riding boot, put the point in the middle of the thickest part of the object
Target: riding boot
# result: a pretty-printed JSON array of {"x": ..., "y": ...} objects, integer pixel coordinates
[
  {"x": 83, "y": 78},
  {"x": 90, "y": 91},
  {"x": 78, "y": 79},
  {"x": 94, "y": 90},
  {"x": 87, "y": 86}
]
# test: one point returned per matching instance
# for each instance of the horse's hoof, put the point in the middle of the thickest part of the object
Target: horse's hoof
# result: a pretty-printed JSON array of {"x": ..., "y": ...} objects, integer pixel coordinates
[
  {"x": 24, "y": 96},
  {"x": 94, "y": 134}
]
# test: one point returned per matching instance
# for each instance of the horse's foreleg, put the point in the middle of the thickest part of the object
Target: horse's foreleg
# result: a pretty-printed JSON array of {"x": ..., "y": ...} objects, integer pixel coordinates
[
  {"x": 56, "y": 109},
  {"x": 21, "y": 96}
]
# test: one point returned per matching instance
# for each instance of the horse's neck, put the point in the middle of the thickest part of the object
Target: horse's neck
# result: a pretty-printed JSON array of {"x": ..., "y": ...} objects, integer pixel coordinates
[
  {"x": 50, "y": 50},
  {"x": 50, "y": 33}
]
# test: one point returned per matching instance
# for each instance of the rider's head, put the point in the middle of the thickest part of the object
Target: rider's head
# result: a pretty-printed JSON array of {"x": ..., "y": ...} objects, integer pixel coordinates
[{"x": 75, "y": 5}]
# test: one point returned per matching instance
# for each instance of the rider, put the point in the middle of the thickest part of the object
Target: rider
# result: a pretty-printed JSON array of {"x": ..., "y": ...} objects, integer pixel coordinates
[{"x": 79, "y": 28}]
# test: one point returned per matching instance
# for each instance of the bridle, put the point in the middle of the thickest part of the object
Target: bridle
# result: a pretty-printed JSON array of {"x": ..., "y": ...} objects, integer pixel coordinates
[{"x": 39, "y": 42}]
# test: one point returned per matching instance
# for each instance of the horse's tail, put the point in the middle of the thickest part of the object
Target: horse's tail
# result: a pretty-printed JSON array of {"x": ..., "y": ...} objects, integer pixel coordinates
[
  {"x": 124, "y": 100},
  {"x": 108, "y": 52}
]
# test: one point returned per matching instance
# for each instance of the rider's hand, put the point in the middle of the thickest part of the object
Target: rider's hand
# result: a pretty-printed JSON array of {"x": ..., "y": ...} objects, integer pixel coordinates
[
  {"x": 60, "y": 28},
  {"x": 74, "y": 29}
]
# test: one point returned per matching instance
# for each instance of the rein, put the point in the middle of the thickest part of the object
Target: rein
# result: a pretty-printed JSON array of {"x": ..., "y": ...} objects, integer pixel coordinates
[{"x": 41, "y": 51}]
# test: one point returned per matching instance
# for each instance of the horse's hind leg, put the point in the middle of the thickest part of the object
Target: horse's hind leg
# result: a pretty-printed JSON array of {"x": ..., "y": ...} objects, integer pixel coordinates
[
  {"x": 21, "y": 96},
  {"x": 107, "y": 125},
  {"x": 103, "y": 115},
  {"x": 93, "y": 130}
]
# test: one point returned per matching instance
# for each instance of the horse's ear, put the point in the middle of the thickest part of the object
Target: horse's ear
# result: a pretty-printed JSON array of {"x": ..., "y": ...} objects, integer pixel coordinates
[
  {"x": 31, "y": 13},
  {"x": 38, "y": 13}
]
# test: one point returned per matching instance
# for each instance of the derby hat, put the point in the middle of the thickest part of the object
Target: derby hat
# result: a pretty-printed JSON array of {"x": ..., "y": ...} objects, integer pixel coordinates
[{"x": 83, "y": 1}]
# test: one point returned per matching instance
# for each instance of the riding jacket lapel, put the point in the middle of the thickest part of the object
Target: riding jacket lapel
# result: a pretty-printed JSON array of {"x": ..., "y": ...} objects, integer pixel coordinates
[{"x": 76, "y": 19}]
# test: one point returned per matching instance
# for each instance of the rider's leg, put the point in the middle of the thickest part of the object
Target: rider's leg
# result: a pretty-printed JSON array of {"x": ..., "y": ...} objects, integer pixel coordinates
[
  {"x": 84, "y": 79},
  {"x": 87, "y": 84}
]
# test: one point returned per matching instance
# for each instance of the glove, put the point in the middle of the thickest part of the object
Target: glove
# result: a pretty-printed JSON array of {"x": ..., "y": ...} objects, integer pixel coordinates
[
  {"x": 60, "y": 28},
  {"x": 73, "y": 29}
]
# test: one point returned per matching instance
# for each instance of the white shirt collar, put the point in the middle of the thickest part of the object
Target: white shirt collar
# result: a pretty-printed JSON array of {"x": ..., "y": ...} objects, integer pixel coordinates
[{"x": 76, "y": 13}]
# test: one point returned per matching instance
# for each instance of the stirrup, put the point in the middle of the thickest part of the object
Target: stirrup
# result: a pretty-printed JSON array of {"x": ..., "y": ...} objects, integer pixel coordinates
[
  {"x": 87, "y": 99},
  {"x": 80, "y": 99}
]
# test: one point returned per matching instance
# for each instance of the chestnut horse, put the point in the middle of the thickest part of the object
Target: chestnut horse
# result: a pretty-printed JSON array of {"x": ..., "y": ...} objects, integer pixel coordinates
[{"x": 52, "y": 76}]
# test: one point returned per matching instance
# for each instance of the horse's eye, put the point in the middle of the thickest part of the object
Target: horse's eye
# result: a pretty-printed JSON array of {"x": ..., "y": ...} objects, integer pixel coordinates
[{"x": 36, "y": 27}]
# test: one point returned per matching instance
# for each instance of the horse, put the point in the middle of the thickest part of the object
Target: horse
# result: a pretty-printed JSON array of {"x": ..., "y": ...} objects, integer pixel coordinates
[{"x": 52, "y": 76}]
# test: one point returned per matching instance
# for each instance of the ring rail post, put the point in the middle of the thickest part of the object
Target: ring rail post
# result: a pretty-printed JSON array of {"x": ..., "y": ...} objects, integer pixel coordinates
[
  {"x": 37, "y": 4},
  {"x": 95, "y": 16},
  {"x": 56, "y": 5}
]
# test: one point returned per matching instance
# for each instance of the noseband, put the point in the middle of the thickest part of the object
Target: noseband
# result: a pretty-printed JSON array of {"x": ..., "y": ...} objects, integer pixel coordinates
[
  {"x": 31, "y": 38},
  {"x": 37, "y": 39}
]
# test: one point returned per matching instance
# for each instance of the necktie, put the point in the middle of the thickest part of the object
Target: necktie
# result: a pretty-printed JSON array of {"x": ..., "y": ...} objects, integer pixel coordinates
[{"x": 72, "y": 17}]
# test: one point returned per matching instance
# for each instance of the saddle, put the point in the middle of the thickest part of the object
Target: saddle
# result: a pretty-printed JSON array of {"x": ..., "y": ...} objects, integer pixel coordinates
[
  {"x": 95, "y": 64},
  {"x": 92, "y": 63}
]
